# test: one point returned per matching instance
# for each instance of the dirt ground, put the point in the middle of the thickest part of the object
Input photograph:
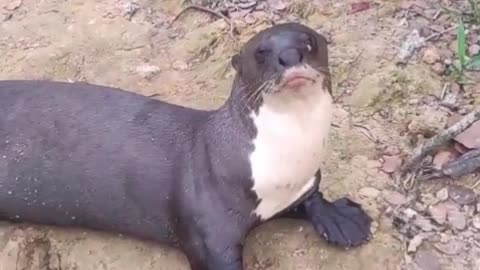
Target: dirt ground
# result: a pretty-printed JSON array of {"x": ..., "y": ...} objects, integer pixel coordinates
[{"x": 130, "y": 45}]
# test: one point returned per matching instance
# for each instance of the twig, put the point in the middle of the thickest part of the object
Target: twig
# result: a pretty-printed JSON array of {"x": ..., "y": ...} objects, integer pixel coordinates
[
  {"x": 366, "y": 131},
  {"x": 467, "y": 163},
  {"x": 210, "y": 11},
  {"x": 440, "y": 33},
  {"x": 441, "y": 138},
  {"x": 444, "y": 91},
  {"x": 477, "y": 182}
]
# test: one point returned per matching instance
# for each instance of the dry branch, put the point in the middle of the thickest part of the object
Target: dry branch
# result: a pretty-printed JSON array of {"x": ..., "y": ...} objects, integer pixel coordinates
[{"x": 438, "y": 140}]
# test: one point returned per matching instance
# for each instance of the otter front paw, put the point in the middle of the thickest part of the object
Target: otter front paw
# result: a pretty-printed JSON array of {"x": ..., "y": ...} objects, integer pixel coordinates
[{"x": 343, "y": 222}]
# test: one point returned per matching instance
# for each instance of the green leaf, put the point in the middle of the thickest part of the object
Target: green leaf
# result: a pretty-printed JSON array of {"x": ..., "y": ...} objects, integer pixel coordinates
[
  {"x": 461, "y": 43},
  {"x": 474, "y": 62}
]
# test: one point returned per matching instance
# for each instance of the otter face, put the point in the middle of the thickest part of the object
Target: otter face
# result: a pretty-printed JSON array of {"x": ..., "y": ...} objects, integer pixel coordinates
[{"x": 283, "y": 60}]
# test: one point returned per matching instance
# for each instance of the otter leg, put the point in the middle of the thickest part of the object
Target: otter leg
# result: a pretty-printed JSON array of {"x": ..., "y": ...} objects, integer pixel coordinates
[
  {"x": 216, "y": 253},
  {"x": 341, "y": 222}
]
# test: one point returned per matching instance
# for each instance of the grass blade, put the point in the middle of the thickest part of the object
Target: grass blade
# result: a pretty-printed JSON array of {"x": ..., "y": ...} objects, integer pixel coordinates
[
  {"x": 474, "y": 63},
  {"x": 461, "y": 43}
]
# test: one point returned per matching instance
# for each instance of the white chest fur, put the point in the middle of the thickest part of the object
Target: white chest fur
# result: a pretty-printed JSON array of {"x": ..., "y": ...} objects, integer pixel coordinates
[{"x": 289, "y": 148}]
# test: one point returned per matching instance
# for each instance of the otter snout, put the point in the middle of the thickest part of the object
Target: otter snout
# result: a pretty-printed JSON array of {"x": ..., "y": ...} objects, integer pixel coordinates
[{"x": 290, "y": 57}]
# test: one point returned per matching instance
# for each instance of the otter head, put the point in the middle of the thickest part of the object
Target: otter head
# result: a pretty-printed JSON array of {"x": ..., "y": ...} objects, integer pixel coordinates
[{"x": 284, "y": 61}]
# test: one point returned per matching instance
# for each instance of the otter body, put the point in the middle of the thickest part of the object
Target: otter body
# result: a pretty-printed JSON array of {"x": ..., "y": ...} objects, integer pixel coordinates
[{"x": 80, "y": 155}]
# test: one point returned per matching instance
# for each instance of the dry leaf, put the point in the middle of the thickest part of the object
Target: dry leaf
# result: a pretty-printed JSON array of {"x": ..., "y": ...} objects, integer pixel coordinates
[
  {"x": 470, "y": 138},
  {"x": 360, "y": 6},
  {"x": 391, "y": 163}
]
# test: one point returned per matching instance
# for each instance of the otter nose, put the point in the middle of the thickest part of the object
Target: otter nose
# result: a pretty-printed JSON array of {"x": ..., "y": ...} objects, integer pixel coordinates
[{"x": 290, "y": 57}]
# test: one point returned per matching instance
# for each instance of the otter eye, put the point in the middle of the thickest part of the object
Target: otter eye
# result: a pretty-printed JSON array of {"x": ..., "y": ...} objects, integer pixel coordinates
[{"x": 261, "y": 54}]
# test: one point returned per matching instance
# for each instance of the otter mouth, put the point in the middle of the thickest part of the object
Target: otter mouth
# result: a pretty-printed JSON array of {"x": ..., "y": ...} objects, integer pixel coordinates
[
  {"x": 298, "y": 77},
  {"x": 297, "y": 81}
]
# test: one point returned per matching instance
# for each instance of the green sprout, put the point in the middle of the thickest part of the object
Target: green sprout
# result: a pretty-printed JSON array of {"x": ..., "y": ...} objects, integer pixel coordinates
[{"x": 465, "y": 63}]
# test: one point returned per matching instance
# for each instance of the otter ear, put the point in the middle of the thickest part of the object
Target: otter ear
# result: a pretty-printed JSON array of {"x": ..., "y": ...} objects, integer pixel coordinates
[{"x": 236, "y": 62}]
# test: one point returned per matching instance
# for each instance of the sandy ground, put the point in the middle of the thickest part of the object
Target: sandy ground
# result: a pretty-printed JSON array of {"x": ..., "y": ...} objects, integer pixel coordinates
[{"x": 99, "y": 42}]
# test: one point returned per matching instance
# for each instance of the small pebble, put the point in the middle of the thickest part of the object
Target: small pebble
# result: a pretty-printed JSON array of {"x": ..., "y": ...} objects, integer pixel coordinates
[
  {"x": 431, "y": 55},
  {"x": 394, "y": 197},
  {"x": 476, "y": 222},
  {"x": 423, "y": 223},
  {"x": 461, "y": 195},
  {"x": 474, "y": 49},
  {"x": 428, "y": 199},
  {"x": 442, "y": 194},
  {"x": 416, "y": 241},
  {"x": 457, "y": 219},
  {"x": 439, "y": 213},
  {"x": 369, "y": 192},
  {"x": 410, "y": 213}
]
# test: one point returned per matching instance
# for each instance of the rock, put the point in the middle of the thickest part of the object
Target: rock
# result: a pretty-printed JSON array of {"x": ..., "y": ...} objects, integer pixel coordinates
[
  {"x": 416, "y": 241},
  {"x": 461, "y": 195},
  {"x": 427, "y": 260},
  {"x": 438, "y": 213},
  {"x": 438, "y": 68},
  {"x": 391, "y": 163},
  {"x": 474, "y": 49},
  {"x": 394, "y": 197},
  {"x": 476, "y": 222},
  {"x": 423, "y": 223},
  {"x": 147, "y": 71},
  {"x": 443, "y": 157},
  {"x": 369, "y": 192},
  {"x": 442, "y": 194},
  {"x": 410, "y": 213},
  {"x": 457, "y": 219},
  {"x": 428, "y": 199},
  {"x": 431, "y": 55}
]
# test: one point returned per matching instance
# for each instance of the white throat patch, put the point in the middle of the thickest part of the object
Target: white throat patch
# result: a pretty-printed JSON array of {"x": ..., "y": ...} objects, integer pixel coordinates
[{"x": 289, "y": 146}]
